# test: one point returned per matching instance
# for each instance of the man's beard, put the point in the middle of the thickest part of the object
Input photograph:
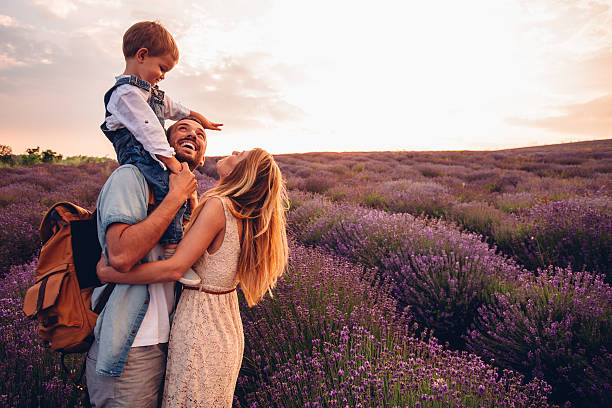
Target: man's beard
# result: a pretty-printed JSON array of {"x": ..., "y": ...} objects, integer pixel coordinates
[{"x": 192, "y": 162}]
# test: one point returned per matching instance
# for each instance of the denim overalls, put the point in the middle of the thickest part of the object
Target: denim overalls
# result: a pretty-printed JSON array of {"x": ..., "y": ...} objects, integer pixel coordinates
[{"x": 131, "y": 151}]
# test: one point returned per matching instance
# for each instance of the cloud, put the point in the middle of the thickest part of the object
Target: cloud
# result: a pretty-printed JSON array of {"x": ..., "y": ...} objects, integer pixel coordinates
[
  {"x": 59, "y": 8},
  {"x": 592, "y": 118},
  {"x": 240, "y": 89},
  {"x": 20, "y": 48},
  {"x": 8, "y": 21}
]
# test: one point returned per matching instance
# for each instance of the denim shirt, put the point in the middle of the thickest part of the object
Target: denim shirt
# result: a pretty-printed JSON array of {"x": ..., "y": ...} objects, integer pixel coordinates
[{"x": 123, "y": 199}]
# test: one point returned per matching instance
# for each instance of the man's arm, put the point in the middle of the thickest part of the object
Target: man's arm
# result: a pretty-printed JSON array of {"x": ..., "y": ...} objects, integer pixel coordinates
[
  {"x": 127, "y": 244},
  {"x": 210, "y": 223}
]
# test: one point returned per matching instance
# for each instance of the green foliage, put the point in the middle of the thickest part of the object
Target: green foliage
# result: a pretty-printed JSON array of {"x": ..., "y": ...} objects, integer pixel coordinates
[
  {"x": 49, "y": 156},
  {"x": 32, "y": 157},
  {"x": 6, "y": 155},
  {"x": 373, "y": 199}
]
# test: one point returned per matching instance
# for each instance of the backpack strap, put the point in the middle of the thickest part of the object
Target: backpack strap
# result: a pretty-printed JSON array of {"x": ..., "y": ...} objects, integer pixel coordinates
[{"x": 104, "y": 298}]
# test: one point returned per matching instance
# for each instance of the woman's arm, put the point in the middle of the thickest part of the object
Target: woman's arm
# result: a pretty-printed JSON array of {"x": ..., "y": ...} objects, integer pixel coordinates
[{"x": 209, "y": 223}]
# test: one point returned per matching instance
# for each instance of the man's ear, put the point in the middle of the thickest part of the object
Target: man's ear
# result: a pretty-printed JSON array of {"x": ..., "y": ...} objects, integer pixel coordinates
[
  {"x": 202, "y": 161},
  {"x": 141, "y": 54}
]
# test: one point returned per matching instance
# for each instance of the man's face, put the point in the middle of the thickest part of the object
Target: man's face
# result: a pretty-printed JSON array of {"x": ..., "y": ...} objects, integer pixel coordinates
[{"x": 188, "y": 139}]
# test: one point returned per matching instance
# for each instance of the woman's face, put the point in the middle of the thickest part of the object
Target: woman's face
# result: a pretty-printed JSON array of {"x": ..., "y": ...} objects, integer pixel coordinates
[{"x": 227, "y": 164}]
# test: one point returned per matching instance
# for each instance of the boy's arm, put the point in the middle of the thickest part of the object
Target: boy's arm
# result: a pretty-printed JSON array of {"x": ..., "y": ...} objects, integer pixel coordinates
[
  {"x": 171, "y": 163},
  {"x": 129, "y": 107},
  {"x": 176, "y": 111},
  {"x": 205, "y": 122}
]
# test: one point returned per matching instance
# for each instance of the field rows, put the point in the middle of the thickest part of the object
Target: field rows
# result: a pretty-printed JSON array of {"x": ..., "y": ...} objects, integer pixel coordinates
[{"x": 414, "y": 280}]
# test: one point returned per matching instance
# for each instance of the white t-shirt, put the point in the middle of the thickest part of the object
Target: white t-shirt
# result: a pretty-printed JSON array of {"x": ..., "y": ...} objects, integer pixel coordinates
[
  {"x": 129, "y": 107},
  {"x": 155, "y": 327}
]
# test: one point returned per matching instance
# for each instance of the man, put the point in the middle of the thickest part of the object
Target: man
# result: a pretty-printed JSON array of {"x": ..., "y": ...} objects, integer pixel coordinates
[{"x": 126, "y": 363}]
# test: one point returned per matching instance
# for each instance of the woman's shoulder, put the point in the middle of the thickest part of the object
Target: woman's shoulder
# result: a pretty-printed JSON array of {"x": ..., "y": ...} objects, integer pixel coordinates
[
  {"x": 210, "y": 215},
  {"x": 214, "y": 204}
]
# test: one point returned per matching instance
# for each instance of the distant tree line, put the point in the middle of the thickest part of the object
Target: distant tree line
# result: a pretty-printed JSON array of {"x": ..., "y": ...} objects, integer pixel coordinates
[{"x": 34, "y": 155}]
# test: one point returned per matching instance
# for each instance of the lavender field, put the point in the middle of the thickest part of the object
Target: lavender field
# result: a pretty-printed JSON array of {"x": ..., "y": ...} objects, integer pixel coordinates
[{"x": 416, "y": 279}]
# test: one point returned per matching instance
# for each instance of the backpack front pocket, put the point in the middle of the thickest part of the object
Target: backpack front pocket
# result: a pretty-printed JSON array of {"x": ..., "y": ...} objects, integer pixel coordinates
[{"x": 43, "y": 300}]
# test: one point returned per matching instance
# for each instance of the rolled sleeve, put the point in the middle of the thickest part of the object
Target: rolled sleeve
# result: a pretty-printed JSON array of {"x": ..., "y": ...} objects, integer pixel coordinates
[
  {"x": 128, "y": 107},
  {"x": 123, "y": 199}
]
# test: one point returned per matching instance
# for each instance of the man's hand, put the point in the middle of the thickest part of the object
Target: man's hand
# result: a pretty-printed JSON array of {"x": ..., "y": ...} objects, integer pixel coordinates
[
  {"x": 205, "y": 122},
  {"x": 183, "y": 184}
]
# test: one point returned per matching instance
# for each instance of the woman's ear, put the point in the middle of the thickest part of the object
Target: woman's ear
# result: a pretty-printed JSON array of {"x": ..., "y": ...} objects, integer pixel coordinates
[{"x": 141, "y": 54}]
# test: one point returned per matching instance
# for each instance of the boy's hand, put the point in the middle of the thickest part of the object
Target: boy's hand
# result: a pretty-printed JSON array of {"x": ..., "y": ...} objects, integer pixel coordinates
[
  {"x": 183, "y": 184},
  {"x": 205, "y": 122}
]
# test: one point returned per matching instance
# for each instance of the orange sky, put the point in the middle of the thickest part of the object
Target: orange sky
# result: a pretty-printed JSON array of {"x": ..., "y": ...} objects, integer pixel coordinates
[{"x": 294, "y": 76}]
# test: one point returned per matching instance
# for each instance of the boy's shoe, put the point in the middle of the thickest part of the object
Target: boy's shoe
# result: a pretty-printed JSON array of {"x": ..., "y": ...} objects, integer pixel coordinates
[{"x": 190, "y": 278}]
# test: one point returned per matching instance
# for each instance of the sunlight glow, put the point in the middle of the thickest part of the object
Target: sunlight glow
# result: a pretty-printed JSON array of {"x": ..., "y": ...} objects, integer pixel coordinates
[{"x": 295, "y": 76}]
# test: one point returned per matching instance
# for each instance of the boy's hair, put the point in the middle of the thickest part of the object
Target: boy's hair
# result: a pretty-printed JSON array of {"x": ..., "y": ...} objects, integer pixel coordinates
[{"x": 150, "y": 35}]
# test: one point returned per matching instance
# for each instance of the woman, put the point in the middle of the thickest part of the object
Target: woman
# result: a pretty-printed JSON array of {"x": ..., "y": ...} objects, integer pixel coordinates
[{"x": 236, "y": 235}]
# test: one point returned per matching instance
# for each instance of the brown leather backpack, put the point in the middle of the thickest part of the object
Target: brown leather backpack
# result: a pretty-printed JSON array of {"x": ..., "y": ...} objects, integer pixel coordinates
[{"x": 65, "y": 278}]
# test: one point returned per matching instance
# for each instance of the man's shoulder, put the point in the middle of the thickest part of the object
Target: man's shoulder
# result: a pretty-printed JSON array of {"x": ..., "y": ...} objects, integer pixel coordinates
[
  {"x": 123, "y": 197},
  {"x": 127, "y": 178},
  {"x": 127, "y": 172}
]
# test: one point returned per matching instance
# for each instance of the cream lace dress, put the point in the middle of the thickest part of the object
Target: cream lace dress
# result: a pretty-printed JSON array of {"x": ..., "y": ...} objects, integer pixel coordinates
[{"x": 206, "y": 339}]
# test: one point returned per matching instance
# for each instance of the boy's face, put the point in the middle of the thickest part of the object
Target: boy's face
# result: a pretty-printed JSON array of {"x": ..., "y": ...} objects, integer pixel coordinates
[{"x": 153, "y": 69}]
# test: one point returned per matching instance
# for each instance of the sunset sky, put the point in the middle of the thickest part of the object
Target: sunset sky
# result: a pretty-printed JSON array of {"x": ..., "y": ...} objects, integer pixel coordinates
[{"x": 297, "y": 76}]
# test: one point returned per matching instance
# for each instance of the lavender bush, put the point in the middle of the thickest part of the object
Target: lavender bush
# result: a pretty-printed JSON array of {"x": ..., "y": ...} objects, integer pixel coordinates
[
  {"x": 444, "y": 275},
  {"x": 357, "y": 370},
  {"x": 26, "y": 193},
  {"x": 408, "y": 196},
  {"x": 479, "y": 217},
  {"x": 31, "y": 374},
  {"x": 331, "y": 337},
  {"x": 558, "y": 327},
  {"x": 19, "y": 239},
  {"x": 572, "y": 232},
  {"x": 513, "y": 203},
  {"x": 205, "y": 182},
  {"x": 448, "y": 278}
]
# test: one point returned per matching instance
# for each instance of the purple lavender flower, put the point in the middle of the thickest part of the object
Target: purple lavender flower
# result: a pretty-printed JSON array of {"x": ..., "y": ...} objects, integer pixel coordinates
[
  {"x": 558, "y": 327},
  {"x": 30, "y": 372},
  {"x": 331, "y": 336}
]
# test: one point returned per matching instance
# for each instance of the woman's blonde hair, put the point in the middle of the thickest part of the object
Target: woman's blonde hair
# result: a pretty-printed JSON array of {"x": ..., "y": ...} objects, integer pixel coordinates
[{"x": 257, "y": 195}]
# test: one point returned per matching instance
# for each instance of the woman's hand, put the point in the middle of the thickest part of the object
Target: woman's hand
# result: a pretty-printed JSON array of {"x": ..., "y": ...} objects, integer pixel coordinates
[
  {"x": 103, "y": 269},
  {"x": 193, "y": 201}
]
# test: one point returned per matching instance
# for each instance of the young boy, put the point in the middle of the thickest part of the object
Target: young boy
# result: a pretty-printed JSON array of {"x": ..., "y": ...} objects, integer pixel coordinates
[{"x": 135, "y": 117}]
